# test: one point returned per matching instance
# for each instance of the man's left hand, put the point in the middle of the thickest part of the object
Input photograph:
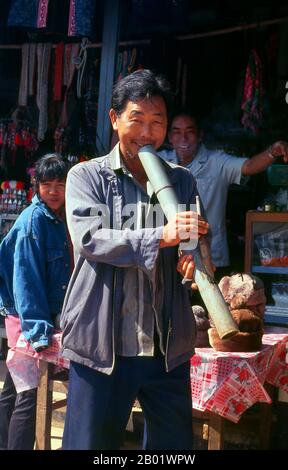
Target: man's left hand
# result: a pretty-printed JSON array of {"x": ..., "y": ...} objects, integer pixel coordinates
[{"x": 186, "y": 267}]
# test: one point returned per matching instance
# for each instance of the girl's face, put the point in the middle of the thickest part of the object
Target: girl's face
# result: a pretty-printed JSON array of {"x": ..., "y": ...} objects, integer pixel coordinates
[{"x": 53, "y": 194}]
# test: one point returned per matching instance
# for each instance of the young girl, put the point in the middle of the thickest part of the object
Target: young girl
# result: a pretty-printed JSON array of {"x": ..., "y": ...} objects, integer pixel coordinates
[{"x": 35, "y": 266}]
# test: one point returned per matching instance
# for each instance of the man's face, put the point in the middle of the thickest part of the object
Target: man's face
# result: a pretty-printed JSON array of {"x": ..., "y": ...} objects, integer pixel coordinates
[
  {"x": 53, "y": 194},
  {"x": 141, "y": 123},
  {"x": 185, "y": 137}
]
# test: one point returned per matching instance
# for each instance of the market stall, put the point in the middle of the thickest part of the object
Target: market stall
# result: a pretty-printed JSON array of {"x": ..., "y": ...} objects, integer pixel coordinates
[{"x": 58, "y": 64}]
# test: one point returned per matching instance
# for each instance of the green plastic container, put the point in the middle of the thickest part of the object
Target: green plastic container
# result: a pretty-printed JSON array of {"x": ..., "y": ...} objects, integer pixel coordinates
[{"x": 278, "y": 175}]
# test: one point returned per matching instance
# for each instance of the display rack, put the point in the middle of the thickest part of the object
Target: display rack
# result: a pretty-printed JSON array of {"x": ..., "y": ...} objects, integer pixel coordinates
[
  {"x": 6, "y": 222},
  {"x": 259, "y": 223}
]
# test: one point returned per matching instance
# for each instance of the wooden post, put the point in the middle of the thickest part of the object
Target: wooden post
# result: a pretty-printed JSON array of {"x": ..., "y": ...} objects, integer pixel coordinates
[
  {"x": 44, "y": 407},
  {"x": 266, "y": 418},
  {"x": 216, "y": 428},
  {"x": 107, "y": 73}
]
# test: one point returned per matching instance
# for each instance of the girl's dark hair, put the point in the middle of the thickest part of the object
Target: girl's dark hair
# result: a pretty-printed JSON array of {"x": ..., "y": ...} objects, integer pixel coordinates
[
  {"x": 50, "y": 167},
  {"x": 138, "y": 86}
]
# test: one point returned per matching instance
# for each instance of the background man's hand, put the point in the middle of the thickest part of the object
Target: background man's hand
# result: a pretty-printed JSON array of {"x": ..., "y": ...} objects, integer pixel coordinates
[{"x": 279, "y": 149}]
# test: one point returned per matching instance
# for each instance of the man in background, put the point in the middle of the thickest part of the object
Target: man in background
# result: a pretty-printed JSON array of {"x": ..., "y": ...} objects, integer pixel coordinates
[{"x": 214, "y": 171}]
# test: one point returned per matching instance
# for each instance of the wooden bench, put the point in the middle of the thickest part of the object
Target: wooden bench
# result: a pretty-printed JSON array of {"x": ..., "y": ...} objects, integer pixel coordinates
[{"x": 45, "y": 406}]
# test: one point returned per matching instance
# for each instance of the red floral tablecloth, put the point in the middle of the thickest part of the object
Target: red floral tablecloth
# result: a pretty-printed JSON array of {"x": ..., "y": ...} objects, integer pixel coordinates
[
  {"x": 225, "y": 383},
  {"x": 229, "y": 383}
]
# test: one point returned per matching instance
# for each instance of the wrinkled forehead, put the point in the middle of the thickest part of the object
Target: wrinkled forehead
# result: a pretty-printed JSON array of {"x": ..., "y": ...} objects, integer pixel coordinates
[{"x": 154, "y": 103}]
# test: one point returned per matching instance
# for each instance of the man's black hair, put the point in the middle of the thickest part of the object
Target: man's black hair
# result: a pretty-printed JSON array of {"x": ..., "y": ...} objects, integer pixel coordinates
[
  {"x": 138, "y": 86},
  {"x": 50, "y": 167}
]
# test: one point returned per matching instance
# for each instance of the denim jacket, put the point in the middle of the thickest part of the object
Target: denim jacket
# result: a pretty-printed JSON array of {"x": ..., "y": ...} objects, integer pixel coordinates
[{"x": 35, "y": 271}]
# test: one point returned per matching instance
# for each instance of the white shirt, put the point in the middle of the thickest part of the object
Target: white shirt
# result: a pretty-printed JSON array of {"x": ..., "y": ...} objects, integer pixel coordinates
[{"x": 214, "y": 171}]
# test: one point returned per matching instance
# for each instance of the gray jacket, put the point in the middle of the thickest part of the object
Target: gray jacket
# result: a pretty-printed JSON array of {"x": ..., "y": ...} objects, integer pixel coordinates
[{"x": 93, "y": 300}]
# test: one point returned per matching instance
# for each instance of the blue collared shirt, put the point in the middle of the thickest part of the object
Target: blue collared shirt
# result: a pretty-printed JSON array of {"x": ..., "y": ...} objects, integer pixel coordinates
[
  {"x": 34, "y": 271},
  {"x": 139, "y": 315},
  {"x": 214, "y": 171}
]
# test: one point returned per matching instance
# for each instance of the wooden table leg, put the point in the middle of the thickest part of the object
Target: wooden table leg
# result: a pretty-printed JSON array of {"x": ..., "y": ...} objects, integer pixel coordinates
[
  {"x": 266, "y": 418},
  {"x": 215, "y": 435},
  {"x": 265, "y": 425},
  {"x": 44, "y": 407}
]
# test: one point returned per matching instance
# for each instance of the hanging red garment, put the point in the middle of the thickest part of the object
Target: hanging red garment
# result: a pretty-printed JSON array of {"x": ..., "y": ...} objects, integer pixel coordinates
[
  {"x": 71, "y": 52},
  {"x": 252, "y": 102},
  {"x": 58, "y": 70}
]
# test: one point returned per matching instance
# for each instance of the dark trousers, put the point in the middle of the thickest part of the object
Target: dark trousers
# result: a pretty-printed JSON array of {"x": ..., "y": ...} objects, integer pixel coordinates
[
  {"x": 17, "y": 417},
  {"x": 99, "y": 405}
]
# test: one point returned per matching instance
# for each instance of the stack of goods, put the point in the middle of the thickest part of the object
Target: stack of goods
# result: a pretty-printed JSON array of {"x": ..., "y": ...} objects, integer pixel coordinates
[
  {"x": 246, "y": 299},
  {"x": 13, "y": 198}
]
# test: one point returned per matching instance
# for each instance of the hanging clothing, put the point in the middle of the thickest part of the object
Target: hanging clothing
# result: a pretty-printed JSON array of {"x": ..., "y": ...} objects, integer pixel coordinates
[
  {"x": 34, "y": 14},
  {"x": 70, "y": 56},
  {"x": 23, "y": 88},
  {"x": 71, "y": 26},
  {"x": 42, "y": 13},
  {"x": 43, "y": 61},
  {"x": 252, "y": 103},
  {"x": 27, "y": 73},
  {"x": 84, "y": 17},
  {"x": 71, "y": 52},
  {"x": 23, "y": 13},
  {"x": 28, "y": 13},
  {"x": 58, "y": 72}
]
